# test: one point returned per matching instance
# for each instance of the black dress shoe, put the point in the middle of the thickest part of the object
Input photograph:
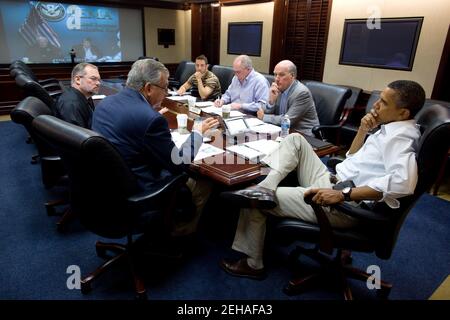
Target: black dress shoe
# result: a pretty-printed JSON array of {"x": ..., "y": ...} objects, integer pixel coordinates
[
  {"x": 252, "y": 197},
  {"x": 241, "y": 268}
]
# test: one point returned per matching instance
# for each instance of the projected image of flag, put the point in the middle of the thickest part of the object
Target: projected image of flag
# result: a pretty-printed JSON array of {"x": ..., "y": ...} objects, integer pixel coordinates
[{"x": 35, "y": 26}]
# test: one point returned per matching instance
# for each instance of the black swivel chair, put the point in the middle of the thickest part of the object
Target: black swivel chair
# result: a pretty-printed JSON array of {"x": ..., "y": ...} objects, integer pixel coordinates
[
  {"x": 329, "y": 100},
  {"x": 19, "y": 65},
  {"x": 225, "y": 75},
  {"x": 52, "y": 168},
  {"x": 34, "y": 89},
  {"x": 379, "y": 227},
  {"x": 105, "y": 193},
  {"x": 184, "y": 70}
]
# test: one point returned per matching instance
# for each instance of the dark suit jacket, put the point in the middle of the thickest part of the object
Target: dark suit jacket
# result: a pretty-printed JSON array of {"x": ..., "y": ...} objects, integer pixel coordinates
[
  {"x": 73, "y": 107},
  {"x": 80, "y": 53},
  {"x": 142, "y": 137}
]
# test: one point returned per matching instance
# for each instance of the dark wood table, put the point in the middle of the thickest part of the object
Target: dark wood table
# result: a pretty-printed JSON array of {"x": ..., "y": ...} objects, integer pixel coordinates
[{"x": 227, "y": 169}]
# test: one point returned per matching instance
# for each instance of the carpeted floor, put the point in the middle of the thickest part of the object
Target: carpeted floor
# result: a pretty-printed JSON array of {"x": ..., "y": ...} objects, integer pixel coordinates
[{"x": 35, "y": 256}]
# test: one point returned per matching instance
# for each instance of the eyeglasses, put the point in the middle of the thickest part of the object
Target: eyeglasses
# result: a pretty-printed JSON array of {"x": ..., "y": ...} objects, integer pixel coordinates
[
  {"x": 94, "y": 79},
  {"x": 165, "y": 89}
]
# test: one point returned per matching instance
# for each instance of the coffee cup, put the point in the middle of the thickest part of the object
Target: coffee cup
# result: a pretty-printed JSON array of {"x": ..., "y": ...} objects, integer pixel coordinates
[
  {"x": 226, "y": 109},
  {"x": 182, "y": 122}
]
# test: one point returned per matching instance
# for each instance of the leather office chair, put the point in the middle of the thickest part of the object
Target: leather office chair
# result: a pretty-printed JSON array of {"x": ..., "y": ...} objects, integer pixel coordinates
[
  {"x": 32, "y": 88},
  {"x": 351, "y": 125},
  {"x": 50, "y": 87},
  {"x": 379, "y": 227},
  {"x": 105, "y": 193},
  {"x": 329, "y": 100},
  {"x": 350, "y": 103},
  {"x": 270, "y": 78},
  {"x": 225, "y": 75},
  {"x": 20, "y": 65},
  {"x": 53, "y": 171},
  {"x": 175, "y": 81}
]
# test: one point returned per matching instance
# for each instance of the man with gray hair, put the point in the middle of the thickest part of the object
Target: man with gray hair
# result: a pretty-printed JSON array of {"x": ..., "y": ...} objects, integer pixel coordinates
[
  {"x": 75, "y": 105},
  {"x": 131, "y": 122},
  {"x": 247, "y": 89},
  {"x": 289, "y": 96}
]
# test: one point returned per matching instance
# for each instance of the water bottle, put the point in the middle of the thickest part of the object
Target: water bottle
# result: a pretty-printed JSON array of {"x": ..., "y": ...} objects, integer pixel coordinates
[{"x": 285, "y": 125}]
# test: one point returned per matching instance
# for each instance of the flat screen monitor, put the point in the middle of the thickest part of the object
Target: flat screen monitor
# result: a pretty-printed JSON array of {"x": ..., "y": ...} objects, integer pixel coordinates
[
  {"x": 45, "y": 32},
  {"x": 391, "y": 44},
  {"x": 245, "y": 38},
  {"x": 166, "y": 37}
]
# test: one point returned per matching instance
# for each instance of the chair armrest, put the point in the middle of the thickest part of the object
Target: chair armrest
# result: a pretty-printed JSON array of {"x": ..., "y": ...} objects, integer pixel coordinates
[
  {"x": 362, "y": 214},
  {"x": 322, "y": 131},
  {"x": 52, "y": 87},
  {"x": 48, "y": 81},
  {"x": 161, "y": 188},
  {"x": 325, "y": 230}
]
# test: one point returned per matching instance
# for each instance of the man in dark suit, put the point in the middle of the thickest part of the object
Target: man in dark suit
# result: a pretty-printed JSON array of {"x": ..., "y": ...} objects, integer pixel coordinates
[
  {"x": 75, "y": 105},
  {"x": 289, "y": 96},
  {"x": 86, "y": 51},
  {"x": 43, "y": 51},
  {"x": 130, "y": 120}
]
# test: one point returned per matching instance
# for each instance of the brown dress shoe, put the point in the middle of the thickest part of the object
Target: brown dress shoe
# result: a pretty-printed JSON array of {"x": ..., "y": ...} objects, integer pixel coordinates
[
  {"x": 252, "y": 197},
  {"x": 241, "y": 268}
]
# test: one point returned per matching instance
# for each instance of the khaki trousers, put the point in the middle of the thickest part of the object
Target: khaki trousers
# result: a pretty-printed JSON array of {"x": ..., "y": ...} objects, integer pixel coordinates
[{"x": 294, "y": 153}]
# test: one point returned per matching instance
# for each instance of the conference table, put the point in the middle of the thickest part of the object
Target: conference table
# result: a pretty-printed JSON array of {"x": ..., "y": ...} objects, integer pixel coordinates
[{"x": 226, "y": 168}]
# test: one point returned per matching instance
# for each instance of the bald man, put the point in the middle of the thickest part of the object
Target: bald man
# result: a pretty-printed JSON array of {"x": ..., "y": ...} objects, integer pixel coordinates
[{"x": 289, "y": 96}]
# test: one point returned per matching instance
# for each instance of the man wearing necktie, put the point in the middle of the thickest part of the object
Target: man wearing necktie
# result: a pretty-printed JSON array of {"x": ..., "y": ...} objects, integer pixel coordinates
[
  {"x": 75, "y": 105},
  {"x": 289, "y": 96}
]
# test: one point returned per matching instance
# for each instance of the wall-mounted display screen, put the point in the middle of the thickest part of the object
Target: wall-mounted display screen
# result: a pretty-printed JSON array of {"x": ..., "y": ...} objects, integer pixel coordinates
[
  {"x": 45, "y": 32},
  {"x": 391, "y": 44},
  {"x": 245, "y": 38}
]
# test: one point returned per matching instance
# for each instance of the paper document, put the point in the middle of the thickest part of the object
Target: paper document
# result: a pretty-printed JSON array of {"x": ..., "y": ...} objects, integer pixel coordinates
[
  {"x": 266, "y": 128},
  {"x": 178, "y": 98},
  {"x": 246, "y": 152},
  {"x": 179, "y": 139},
  {"x": 202, "y": 104},
  {"x": 252, "y": 122},
  {"x": 207, "y": 150},
  {"x": 264, "y": 146},
  {"x": 218, "y": 111},
  {"x": 98, "y": 96}
]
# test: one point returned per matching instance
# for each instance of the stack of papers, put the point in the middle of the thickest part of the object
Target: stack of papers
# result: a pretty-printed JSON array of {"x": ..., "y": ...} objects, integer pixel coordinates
[
  {"x": 206, "y": 150},
  {"x": 266, "y": 128},
  {"x": 218, "y": 111},
  {"x": 254, "y": 150}
]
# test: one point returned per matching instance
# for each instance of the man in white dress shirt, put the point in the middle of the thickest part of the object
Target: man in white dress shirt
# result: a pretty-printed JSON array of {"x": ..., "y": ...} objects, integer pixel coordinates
[{"x": 383, "y": 168}]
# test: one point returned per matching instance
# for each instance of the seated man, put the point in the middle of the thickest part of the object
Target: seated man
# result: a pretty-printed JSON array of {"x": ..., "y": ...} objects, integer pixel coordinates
[
  {"x": 247, "y": 89},
  {"x": 42, "y": 51},
  {"x": 131, "y": 122},
  {"x": 75, "y": 105},
  {"x": 382, "y": 169},
  {"x": 289, "y": 96},
  {"x": 203, "y": 80}
]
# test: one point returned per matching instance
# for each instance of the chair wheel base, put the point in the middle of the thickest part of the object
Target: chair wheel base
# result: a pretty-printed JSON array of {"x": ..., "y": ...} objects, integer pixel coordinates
[
  {"x": 86, "y": 287},
  {"x": 142, "y": 296}
]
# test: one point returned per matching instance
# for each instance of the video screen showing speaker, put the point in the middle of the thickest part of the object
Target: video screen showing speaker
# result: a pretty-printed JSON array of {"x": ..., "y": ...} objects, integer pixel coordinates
[{"x": 46, "y": 32}]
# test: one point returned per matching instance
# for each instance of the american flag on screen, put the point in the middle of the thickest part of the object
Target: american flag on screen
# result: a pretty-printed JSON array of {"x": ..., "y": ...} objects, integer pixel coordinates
[{"x": 35, "y": 25}]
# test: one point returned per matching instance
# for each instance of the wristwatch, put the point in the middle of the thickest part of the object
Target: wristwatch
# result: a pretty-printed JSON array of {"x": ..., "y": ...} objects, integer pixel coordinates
[{"x": 347, "y": 191}]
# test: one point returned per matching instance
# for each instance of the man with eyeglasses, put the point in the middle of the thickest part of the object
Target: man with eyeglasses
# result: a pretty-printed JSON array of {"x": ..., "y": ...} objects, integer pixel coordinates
[
  {"x": 289, "y": 96},
  {"x": 248, "y": 87},
  {"x": 131, "y": 122},
  {"x": 75, "y": 105}
]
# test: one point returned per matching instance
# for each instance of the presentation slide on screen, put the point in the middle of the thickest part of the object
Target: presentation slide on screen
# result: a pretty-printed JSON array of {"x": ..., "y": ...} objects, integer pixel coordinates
[{"x": 51, "y": 32}]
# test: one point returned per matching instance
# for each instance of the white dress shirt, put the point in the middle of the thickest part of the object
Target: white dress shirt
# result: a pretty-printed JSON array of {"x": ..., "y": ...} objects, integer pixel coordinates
[{"x": 386, "y": 162}]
